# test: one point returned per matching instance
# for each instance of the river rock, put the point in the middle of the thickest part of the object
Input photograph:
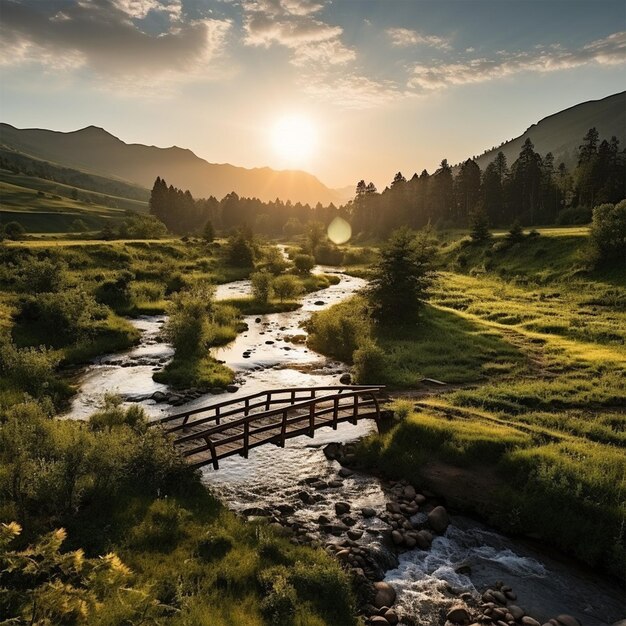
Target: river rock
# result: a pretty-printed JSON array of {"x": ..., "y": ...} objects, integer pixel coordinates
[
  {"x": 232, "y": 388},
  {"x": 438, "y": 519},
  {"x": 256, "y": 511},
  {"x": 393, "y": 507},
  {"x": 368, "y": 512},
  {"x": 322, "y": 520},
  {"x": 458, "y": 615},
  {"x": 498, "y": 596},
  {"x": 306, "y": 497},
  {"x": 410, "y": 541},
  {"x": 379, "y": 619},
  {"x": 332, "y": 451},
  {"x": 567, "y": 620},
  {"x": 354, "y": 534},
  {"x": 396, "y": 537},
  {"x": 516, "y": 612},
  {"x": 385, "y": 594},
  {"x": 258, "y": 320},
  {"x": 217, "y": 390},
  {"x": 319, "y": 303},
  {"x": 285, "y": 509},
  {"x": 348, "y": 521},
  {"x": 345, "y": 379},
  {"x": 341, "y": 508},
  {"x": 529, "y": 621},
  {"x": 159, "y": 396},
  {"x": 344, "y": 472},
  {"x": 409, "y": 492},
  {"x": 391, "y": 616}
]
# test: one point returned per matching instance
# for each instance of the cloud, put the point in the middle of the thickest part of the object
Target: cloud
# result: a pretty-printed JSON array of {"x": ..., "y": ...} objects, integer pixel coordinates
[
  {"x": 610, "y": 50},
  {"x": 353, "y": 91},
  {"x": 295, "y": 25},
  {"x": 104, "y": 36},
  {"x": 405, "y": 37}
]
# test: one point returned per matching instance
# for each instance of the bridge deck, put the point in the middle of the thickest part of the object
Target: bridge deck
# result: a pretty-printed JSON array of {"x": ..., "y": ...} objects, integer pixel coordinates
[{"x": 251, "y": 421}]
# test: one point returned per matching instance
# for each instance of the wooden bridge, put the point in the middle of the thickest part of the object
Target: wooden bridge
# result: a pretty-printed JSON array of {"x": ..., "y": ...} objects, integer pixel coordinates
[{"x": 207, "y": 434}]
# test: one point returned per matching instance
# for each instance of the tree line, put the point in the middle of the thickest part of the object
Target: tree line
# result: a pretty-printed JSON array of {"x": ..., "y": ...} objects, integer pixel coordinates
[{"x": 532, "y": 191}]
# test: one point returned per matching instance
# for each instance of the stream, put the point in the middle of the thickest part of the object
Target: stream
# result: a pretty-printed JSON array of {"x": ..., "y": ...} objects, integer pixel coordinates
[{"x": 468, "y": 558}]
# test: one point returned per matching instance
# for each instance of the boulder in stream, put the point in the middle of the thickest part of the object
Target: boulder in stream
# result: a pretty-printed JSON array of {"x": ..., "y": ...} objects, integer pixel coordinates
[
  {"x": 438, "y": 519},
  {"x": 385, "y": 594}
]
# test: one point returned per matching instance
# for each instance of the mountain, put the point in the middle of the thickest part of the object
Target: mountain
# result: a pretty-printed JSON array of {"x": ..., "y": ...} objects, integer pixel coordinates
[
  {"x": 563, "y": 132},
  {"x": 95, "y": 151}
]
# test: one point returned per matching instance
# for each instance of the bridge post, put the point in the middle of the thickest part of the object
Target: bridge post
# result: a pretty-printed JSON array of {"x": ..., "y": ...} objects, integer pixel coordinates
[
  {"x": 312, "y": 419},
  {"x": 335, "y": 412},
  {"x": 213, "y": 453},
  {"x": 283, "y": 430},
  {"x": 268, "y": 395},
  {"x": 246, "y": 439},
  {"x": 355, "y": 414},
  {"x": 377, "y": 418},
  {"x": 217, "y": 415},
  {"x": 246, "y": 409}
]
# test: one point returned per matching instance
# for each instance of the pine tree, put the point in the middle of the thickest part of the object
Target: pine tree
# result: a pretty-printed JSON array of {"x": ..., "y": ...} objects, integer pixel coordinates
[
  {"x": 208, "y": 232},
  {"x": 480, "y": 226}
]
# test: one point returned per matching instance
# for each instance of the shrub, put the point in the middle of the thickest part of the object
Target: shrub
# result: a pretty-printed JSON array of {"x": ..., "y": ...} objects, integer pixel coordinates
[
  {"x": 327, "y": 253},
  {"x": 516, "y": 234},
  {"x": 279, "y": 605},
  {"x": 30, "y": 369},
  {"x": 573, "y": 216},
  {"x": 369, "y": 363},
  {"x": 340, "y": 330},
  {"x": 261, "y": 286},
  {"x": 304, "y": 263},
  {"x": 240, "y": 251},
  {"x": 208, "y": 232},
  {"x": 274, "y": 261},
  {"x": 112, "y": 414},
  {"x": 14, "y": 230},
  {"x": 186, "y": 327},
  {"x": 116, "y": 292},
  {"x": 162, "y": 527},
  {"x": 41, "y": 275},
  {"x": 286, "y": 287},
  {"x": 608, "y": 232},
  {"x": 66, "y": 316}
]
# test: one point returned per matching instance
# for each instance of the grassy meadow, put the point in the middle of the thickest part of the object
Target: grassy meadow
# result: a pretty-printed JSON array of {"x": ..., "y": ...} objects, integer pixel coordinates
[{"x": 531, "y": 343}]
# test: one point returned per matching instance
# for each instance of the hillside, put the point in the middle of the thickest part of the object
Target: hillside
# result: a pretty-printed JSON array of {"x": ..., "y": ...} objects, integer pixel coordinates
[
  {"x": 562, "y": 132},
  {"x": 94, "y": 150}
]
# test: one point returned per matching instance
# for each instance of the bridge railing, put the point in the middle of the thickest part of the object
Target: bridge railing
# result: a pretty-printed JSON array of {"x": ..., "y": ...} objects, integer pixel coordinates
[
  {"x": 262, "y": 400},
  {"x": 306, "y": 412}
]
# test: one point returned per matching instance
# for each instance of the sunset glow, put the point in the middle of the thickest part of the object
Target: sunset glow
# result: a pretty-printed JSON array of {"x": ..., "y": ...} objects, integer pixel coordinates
[{"x": 294, "y": 139}]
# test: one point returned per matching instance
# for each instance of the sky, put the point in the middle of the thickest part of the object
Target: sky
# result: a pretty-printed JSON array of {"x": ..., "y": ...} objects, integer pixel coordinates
[{"x": 345, "y": 89}]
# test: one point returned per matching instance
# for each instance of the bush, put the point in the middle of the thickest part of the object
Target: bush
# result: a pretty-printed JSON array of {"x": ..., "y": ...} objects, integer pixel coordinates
[
  {"x": 340, "y": 330},
  {"x": 240, "y": 250},
  {"x": 573, "y": 216},
  {"x": 112, "y": 414},
  {"x": 516, "y": 234},
  {"x": 304, "y": 263},
  {"x": 274, "y": 261},
  {"x": 62, "y": 317},
  {"x": 286, "y": 287},
  {"x": 162, "y": 527},
  {"x": 369, "y": 363},
  {"x": 327, "y": 253},
  {"x": 280, "y": 602},
  {"x": 262, "y": 288},
  {"x": 41, "y": 275},
  {"x": 608, "y": 232},
  {"x": 30, "y": 369},
  {"x": 116, "y": 292},
  {"x": 190, "y": 312},
  {"x": 14, "y": 231}
]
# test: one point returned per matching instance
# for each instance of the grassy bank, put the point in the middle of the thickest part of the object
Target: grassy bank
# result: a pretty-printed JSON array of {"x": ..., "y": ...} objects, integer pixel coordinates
[
  {"x": 185, "y": 560},
  {"x": 529, "y": 431}
]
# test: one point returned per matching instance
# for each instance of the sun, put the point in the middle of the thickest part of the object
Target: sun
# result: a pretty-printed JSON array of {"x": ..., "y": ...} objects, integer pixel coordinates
[{"x": 294, "y": 138}]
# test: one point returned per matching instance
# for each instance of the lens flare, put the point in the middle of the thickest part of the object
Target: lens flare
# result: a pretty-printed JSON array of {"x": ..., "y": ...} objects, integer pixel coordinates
[{"x": 339, "y": 231}]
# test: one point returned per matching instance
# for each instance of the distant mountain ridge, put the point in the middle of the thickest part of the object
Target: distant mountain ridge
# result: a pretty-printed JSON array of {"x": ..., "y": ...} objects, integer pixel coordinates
[
  {"x": 562, "y": 132},
  {"x": 96, "y": 151}
]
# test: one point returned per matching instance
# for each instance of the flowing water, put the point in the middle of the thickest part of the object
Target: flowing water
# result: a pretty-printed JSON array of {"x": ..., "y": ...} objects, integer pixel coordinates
[{"x": 265, "y": 357}]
